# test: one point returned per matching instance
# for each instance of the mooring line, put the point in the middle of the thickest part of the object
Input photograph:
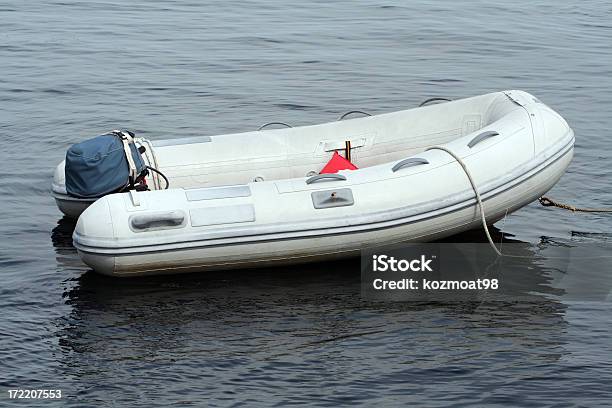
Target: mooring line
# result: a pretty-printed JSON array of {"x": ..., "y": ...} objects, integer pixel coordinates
[
  {"x": 548, "y": 202},
  {"x": 478, "y": 198},
  {"x": 543, "y": 200}
]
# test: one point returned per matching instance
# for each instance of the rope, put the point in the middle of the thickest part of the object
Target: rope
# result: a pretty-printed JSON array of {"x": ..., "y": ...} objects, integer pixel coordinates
[
  {"x": 547, "y": 202},
  {"x": 478, "y": 198}
]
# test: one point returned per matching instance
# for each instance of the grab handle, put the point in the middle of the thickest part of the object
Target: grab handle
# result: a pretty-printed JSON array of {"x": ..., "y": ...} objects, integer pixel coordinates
[
  {"x": 351, "y": 112},
  {"x": 481, "y": 137},
  {"x": 157, "y": 220},
  {"x": 434, "y": 100},
  {"x": 411, "y": 161},
  {"x": 327, "y": 176},
  {"x": 274, "y": 123}
]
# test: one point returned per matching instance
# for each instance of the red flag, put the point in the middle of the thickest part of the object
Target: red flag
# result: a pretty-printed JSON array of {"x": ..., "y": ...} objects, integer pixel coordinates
[{"x": 337, "y": 163}]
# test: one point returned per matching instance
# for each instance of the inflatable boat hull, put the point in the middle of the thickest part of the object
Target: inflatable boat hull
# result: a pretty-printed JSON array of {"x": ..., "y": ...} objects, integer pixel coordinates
[
  {"x": 280, "y": 250},
  {"x": 519, "y": 151}
]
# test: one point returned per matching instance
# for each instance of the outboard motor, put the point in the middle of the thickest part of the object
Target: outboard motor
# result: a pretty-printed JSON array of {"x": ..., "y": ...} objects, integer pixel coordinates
[{"x": 106, "y": 164}]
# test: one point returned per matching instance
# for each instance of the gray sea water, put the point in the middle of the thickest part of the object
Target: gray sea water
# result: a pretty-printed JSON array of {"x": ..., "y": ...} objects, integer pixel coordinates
[{"x": 73, "y": 69}]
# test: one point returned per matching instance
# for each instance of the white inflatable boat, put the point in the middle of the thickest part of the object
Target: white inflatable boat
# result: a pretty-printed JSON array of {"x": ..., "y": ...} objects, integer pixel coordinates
[{"x": 256, "y": 198}]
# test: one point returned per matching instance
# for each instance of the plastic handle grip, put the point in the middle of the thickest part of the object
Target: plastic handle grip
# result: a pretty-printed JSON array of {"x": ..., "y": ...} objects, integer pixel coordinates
[
  {"x": 168, "y": 219},
  {"x": 481, "y": 137},
  {"x": 323, "y": 177},
  {"x": 411, "y": 161}
]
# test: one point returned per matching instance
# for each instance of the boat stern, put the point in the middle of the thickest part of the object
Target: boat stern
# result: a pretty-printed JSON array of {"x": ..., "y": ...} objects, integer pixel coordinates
[{"x": 71, "y": 206}]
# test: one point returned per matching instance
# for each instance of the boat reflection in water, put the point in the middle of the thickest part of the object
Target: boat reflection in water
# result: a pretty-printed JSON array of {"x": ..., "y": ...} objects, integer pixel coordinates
[{"x": 304, "y": 323}]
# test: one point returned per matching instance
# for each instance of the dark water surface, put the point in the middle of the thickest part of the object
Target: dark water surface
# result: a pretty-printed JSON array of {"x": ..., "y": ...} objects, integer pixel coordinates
[{"x": 71, "y": 70}]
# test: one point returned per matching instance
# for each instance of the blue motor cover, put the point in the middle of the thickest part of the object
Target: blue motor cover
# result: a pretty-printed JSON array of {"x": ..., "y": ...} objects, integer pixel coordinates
[{"x": 98, "y": 166}]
